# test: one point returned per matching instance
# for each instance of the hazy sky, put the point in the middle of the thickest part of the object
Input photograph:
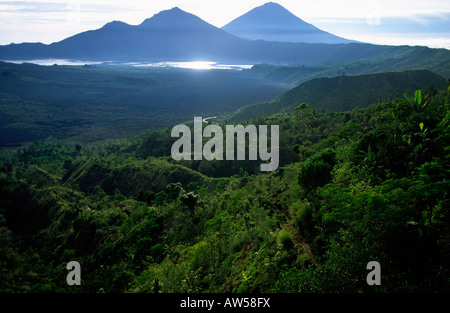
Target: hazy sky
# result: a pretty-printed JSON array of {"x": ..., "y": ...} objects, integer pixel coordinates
[{"x": 386, "y": 22}]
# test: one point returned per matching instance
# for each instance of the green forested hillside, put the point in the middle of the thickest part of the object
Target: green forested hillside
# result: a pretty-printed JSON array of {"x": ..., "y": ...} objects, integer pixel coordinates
[
  {"x": 344, "y": 93},
  {"x": 353, "y": 187}
]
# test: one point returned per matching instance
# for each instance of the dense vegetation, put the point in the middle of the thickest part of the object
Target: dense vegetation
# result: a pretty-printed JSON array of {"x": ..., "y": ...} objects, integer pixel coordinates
[{"x": 363, "y": 185}]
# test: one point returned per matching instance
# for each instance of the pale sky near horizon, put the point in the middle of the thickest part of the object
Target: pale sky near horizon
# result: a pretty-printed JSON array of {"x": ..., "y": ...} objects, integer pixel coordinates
[{"x": 394, "y": 22}]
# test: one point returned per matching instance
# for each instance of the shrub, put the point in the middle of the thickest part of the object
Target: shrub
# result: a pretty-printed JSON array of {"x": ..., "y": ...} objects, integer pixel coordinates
[
  {"x": 284, "y": 239},
  {"x": 316, "y": 171}
]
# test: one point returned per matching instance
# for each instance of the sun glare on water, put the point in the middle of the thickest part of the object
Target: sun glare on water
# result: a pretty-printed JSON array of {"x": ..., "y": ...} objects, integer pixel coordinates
[
  {"x": 194, "y": 65},
  {"x": 197, "y": 65}
]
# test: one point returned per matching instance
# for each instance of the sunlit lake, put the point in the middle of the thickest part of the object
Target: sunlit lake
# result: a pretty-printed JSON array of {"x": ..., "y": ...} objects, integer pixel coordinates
[
  {"x": 50, "y": 62},
  {"x": 197, "y": 65}
]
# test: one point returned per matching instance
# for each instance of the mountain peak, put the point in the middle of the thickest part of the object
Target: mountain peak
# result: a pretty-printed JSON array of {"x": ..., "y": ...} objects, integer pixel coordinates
[
  {"x": 273, "y": 13},
  {"x": 115, "y": 25},
  {"x": 272, "y": 5},
  {"x": 173, "y": 18},
  {"x": 273, "y": 22},
  {"x": 172, "y": 11}
]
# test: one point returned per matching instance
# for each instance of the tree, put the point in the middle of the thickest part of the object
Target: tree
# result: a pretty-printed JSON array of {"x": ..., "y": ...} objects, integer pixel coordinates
[{"x": 316, "y": 171}]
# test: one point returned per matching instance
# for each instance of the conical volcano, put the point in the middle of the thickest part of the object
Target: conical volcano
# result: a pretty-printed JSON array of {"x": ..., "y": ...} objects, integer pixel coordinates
[{"x": 272, "y": 22}]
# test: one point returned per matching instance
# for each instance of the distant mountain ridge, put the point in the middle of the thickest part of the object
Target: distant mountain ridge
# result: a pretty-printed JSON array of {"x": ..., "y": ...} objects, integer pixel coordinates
[
  {"x": 344, "y": 93},
  {"x": 175, "y": 35},
  {"x": 272, "y": 22}
]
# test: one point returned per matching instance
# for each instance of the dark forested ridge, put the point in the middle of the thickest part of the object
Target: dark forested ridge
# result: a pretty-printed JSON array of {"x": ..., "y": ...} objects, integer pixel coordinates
[
  {"x": 364, "y": 185},
  {"x": 435, "y": 60},
  {"x": 345, "y": 92}
]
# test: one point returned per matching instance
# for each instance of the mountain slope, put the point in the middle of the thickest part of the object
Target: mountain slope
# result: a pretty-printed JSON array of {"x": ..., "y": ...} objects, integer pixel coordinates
[
  {"x": 273, "y": 22},
  {"x": 344, "y": 93}
]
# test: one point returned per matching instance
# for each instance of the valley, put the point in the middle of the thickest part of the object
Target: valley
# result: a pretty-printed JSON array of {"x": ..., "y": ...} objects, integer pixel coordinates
[{"x": 91, "y": 103}]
